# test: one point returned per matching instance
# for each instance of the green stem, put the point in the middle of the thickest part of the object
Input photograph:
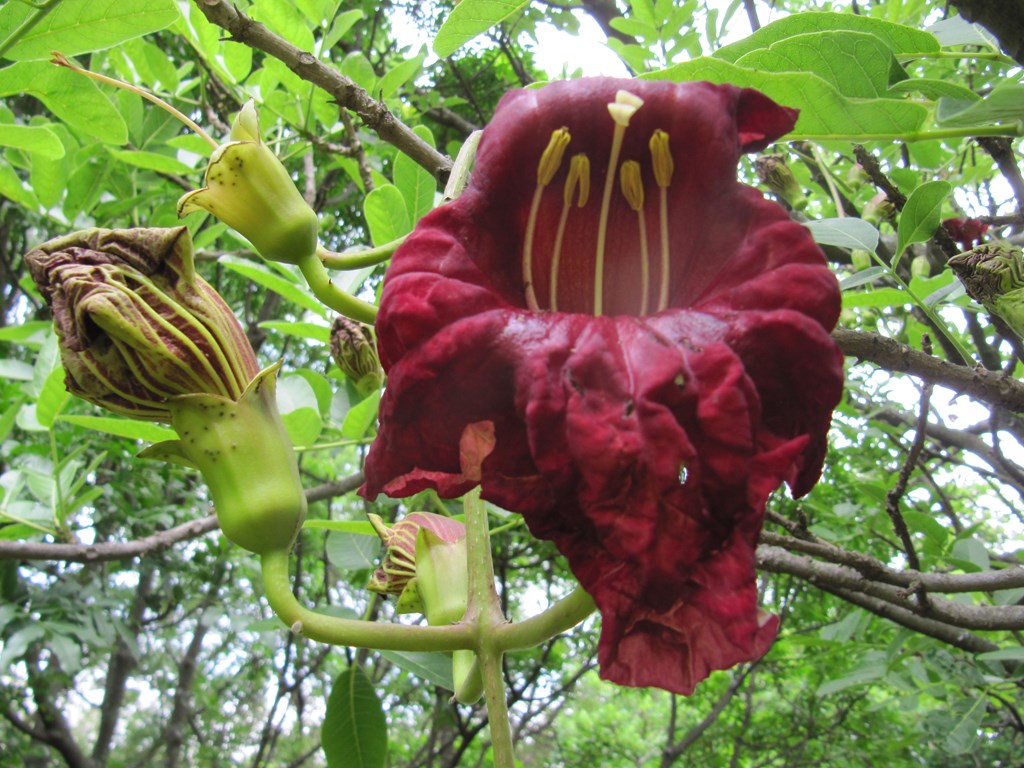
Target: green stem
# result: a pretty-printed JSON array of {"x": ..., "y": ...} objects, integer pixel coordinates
[
  {"x": 945, "y": 133},
  {"x": 940, "y": 324},
  {"x": 351, "y": 632},
  {"x": 331, "y": 295},
  {"x": 348, "y": 260},
  {"x": 484, "y": 613},
  {"x": 562, "y": 616}
]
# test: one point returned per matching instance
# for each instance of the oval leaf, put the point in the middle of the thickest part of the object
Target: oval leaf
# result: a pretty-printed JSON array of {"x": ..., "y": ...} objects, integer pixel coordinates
[
  {"x": 354, "y": 733},
  {"x": 468, "y": 19},
  {"x": 77, "y": 26},
  {"x": 921, "y": 215}
]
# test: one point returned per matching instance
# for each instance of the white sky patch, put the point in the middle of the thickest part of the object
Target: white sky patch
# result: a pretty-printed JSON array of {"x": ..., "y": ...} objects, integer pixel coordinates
[{"x": 560, "y": 53}]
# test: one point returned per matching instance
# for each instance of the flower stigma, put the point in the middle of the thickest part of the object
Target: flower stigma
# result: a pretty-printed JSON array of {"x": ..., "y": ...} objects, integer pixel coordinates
[{"x": 621, "y": 110}]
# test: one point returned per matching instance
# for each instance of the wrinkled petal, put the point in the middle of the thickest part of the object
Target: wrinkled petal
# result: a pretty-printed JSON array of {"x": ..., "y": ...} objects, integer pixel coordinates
[{"x": 644, "y": 446}]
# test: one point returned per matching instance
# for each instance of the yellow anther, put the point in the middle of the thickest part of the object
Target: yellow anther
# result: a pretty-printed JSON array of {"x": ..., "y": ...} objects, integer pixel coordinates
[
  {"x": 578, "y": 179},
  {"x": 661, "y": 157},
  {"x": 551, "y": 160},
  {"x": 624, "y": 106},
  {"x": 632, "y": 184}
]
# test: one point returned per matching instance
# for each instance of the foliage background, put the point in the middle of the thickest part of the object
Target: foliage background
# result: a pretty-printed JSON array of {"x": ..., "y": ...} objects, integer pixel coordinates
[{"x": 133, "y": 634}]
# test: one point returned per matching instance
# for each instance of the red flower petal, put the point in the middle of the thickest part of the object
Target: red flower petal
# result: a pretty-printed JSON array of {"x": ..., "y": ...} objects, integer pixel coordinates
[{"x": 644, "y": 446}]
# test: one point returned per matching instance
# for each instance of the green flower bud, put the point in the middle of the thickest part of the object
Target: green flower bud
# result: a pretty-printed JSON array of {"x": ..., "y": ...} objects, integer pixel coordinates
[
  {"x": 355, "y": 352},
  {"x": 920, "y": 266},
  {"x": 141, "y": 334},
  {"x": 250, "y": 190},
  {"x": 136, "y": 324},
  {"x": 776, "y": 175},
  {"x": 878, "y": 208},
  {"x": 993, "y": 275},
  {"x": 860, "y": 259},
  {"x": 247, "y": 460},
  {"x": 857, "y": 177},
  {"x": 424, "y": 565}
]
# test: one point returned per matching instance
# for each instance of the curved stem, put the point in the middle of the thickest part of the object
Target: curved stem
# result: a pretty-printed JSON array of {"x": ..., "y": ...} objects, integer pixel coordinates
[
  {"x": 346, "y": 260},
  {"x": 331, "y": 295},
  {"x": 352, "y": 632},
  {"x": 562, "y": 616}
]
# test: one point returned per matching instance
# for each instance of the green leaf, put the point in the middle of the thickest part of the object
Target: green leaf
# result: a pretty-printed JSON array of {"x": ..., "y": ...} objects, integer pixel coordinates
[
  {"x": 318, "y": 333},
  {"x": 900, "y": 39},
  {"x": 880, "y": 297},
  {"x": 844, "y": 233},
  {"x": 824, "y": 112},
  {"x": 921, "y": 214},
  {"x": 386, "y": 214},
  {"x": 360, "y": 417},
  {"x": 14, "y": 189},
  {"x": 287, "y": 289},
  {"x": 353, "y": 551},
  {"x": 934, "y": 89},
  {"x": 435, "y": 668},
  {"x": 970, "y": 554},
  {"x": 857, "y": 64},
  {"x": 362, "y": 527},
  {"x": 354, "y": 733},
  {"x": 1003, "y": 654},
  {"x": 1004, "y": 105},
  {"x": 37, "y": 139},
  {"x": 863, "y": 277},
  {"x": 342, "y": 23},
  {"x": 53, "y": 396},
  {"x": 130, "y": 428},
  {"x": 17, "y": 370},
  {"x": 399, "y": 75},
  {"x": 964, "y": 736},
  {"x": 470, "y": 18},
  {"x": 417, "y": 185},
  {"x": 151, "y": 161},
  {"x": 304, "y": 426},
  {"x": 78, "y": 26},
  {"x": 73, "y": 98},
  {"x": 863, "y": 674}
]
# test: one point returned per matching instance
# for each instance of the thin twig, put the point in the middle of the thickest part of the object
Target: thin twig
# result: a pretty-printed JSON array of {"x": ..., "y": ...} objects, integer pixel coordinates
[{"x": 895, "y": 495}]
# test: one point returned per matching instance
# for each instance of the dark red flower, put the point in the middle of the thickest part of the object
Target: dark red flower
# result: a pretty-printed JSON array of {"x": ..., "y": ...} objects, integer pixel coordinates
[
  {"x": 649, "y": 346},
  {"x": 966, "y": 232}
]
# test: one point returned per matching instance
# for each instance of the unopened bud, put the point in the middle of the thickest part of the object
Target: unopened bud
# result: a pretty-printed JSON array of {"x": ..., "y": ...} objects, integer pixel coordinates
[
  {"x": 250, "y": 190},
  {"x": 354, "y": 351},
  {"x": 777, "y": 176},
  {"x": 135, "y": 323},
  {"x": 877, "y": 209},
  {"x": 993, "y": 275}
]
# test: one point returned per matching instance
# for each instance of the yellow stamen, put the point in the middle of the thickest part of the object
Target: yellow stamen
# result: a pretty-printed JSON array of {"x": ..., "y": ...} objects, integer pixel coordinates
[
  {"x": 633, "y": 191},
  {"x": 550, "y": 161},
  {"x": 621, "y": 110},
  {"x": 664, "y": 167},
  {"x": 577, "y": 184},
  {"x": 62, "y": 61}
]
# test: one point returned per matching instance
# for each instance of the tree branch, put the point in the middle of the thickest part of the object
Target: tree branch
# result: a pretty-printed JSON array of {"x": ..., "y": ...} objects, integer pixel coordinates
[
  {"x": 124, "y": 550},
  {"x": 938, "y": 611},
  {"x": 345, "y": 92},
  {"x": 991, "y": 387}
]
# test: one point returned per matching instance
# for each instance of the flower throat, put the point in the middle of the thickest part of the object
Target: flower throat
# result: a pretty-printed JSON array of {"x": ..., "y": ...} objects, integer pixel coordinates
[{"x": 577, "y": 190}]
